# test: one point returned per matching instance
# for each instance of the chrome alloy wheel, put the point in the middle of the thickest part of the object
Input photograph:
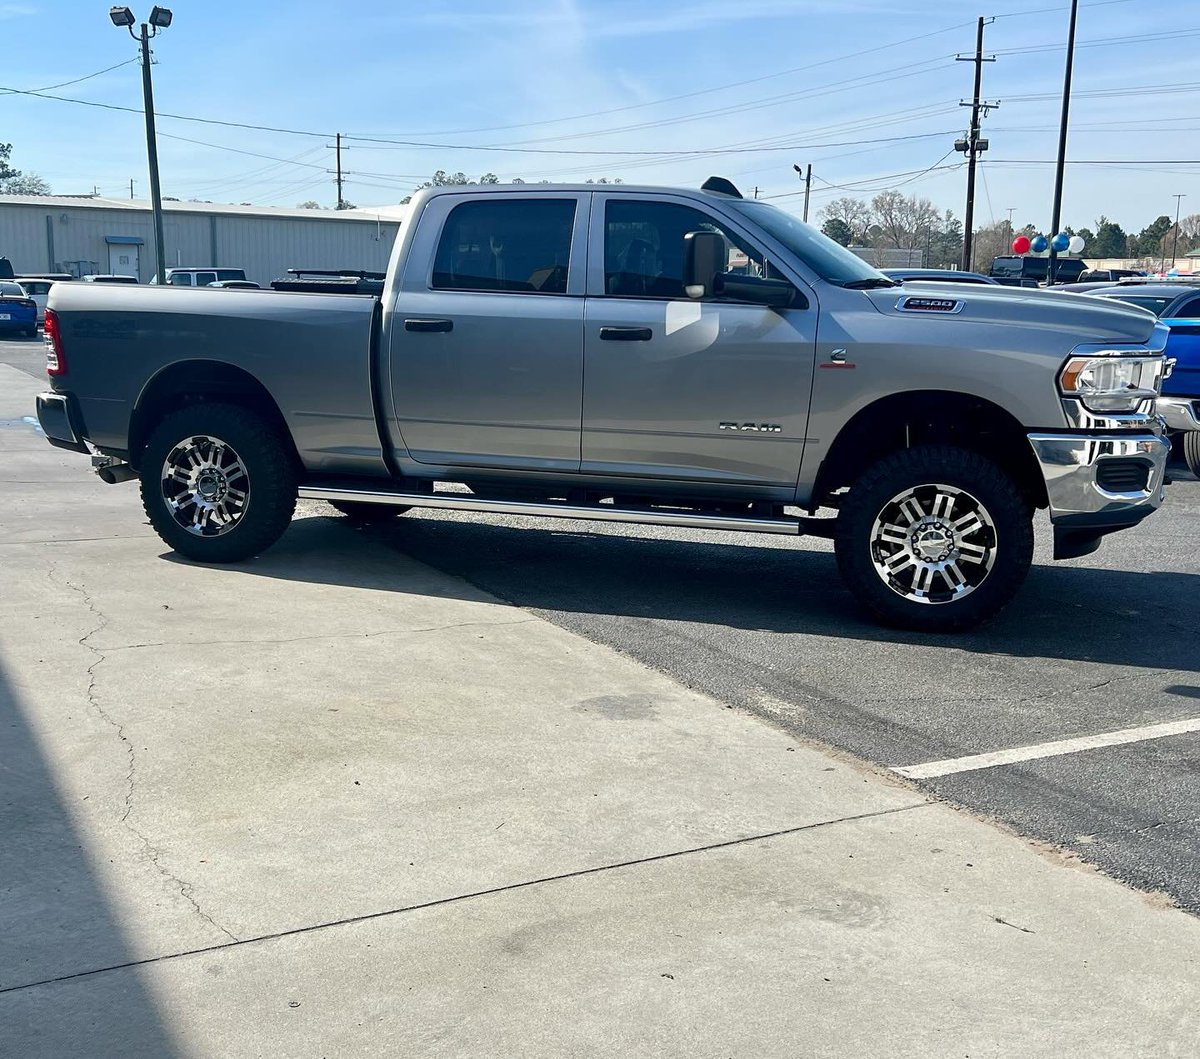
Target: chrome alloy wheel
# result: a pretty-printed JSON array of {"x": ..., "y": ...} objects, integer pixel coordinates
[
  {"x": 205, "y": 486},
  {"x": 933, "y": 544}
]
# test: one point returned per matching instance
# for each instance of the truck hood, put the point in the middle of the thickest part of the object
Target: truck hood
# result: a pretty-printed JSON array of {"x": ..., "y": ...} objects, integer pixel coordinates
[{"x": 1074, "y": 316}]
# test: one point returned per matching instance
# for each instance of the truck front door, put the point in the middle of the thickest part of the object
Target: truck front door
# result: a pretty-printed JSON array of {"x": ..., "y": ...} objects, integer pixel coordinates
[
  {"x": 486, "y": 354},
  {"x": 705, "y": 391}
]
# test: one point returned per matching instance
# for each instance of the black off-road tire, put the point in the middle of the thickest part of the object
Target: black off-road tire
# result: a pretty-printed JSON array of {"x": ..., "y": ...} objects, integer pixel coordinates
[
  {"x": 1191, "y": 451},
  {"x": 858, "y": 547},
  {"x": 269, "y": 467},
  {"x": 365, "y": 514}
]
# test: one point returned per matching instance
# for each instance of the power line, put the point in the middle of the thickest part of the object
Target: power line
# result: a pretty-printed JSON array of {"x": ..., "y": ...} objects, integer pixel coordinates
[
  {"x": 77, "y": 80},
  {"x": 698, "y": 92}
]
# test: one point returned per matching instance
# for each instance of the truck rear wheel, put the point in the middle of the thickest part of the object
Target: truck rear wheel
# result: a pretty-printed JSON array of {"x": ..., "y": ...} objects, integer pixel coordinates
[
  {"x": 218, "y": 483},
  {"x": 934, "y": 538},
  {"x": 367, "y": 514},
  {"x": 1191, "y": 451}
]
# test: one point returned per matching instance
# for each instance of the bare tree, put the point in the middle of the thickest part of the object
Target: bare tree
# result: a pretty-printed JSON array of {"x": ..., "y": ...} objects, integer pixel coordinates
[
  {"x": 853, "y": 213},
  {"x": 905, "y": 221}
]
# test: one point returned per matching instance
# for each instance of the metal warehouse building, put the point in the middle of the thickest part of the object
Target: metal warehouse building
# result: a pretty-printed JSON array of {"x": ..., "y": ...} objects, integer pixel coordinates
[{"x": 83, "y": 235}]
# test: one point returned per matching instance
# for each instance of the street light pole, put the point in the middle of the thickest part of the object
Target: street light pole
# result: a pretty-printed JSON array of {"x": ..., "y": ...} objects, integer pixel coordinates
[
  {"x": 160, "y": 270},
  {"x": 160, "y": 18}
]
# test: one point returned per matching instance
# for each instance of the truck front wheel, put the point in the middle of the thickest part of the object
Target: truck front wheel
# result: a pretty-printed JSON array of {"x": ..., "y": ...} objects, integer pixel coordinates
[
  {"x": 934, "y": 538},
  {"x": 218, "y": 483}
]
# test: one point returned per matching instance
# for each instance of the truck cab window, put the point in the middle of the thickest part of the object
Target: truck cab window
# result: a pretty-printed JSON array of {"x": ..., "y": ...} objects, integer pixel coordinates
[
  {"x": 515, "y": 245},
  {"x": 643, "y": 248}
]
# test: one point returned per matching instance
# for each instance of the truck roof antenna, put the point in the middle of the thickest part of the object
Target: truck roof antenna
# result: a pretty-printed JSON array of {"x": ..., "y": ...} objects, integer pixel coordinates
[{"x": 721, "y": 186}]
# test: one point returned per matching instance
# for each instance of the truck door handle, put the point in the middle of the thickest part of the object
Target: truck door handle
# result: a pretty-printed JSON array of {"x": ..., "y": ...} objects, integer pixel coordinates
[
  {"x": 429, "y": 325},
  {"x": 625, "y": 334}
]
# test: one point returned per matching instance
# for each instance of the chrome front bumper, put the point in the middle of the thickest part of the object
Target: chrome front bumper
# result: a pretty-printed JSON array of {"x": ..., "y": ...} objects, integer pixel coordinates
[
  {"x": 1180, "y": 413},
  {"x": 1082, "y": 508}
]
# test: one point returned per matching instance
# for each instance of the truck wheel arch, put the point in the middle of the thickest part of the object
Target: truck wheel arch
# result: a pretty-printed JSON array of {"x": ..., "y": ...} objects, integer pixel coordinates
[
  {"x": 195, "y": 381},
  {"x": 946, "y": 417}
]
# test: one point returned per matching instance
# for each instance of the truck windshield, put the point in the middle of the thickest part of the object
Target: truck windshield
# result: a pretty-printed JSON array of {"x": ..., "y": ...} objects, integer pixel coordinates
[{"x": 829, "y": 260}]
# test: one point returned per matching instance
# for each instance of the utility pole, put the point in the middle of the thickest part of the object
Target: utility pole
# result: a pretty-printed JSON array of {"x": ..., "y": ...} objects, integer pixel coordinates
[
  {"x": 1052, "y": 264},
  {"x": 131, "y": 187},
  {"x": 340, "y": 200},
  {"x": 1010, "y": 211},
  {"x": 1175, "y": 241},
  {"x": 974, "y": 145}
]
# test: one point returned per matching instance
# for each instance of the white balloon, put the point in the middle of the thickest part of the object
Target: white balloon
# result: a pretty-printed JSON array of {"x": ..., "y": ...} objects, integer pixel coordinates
[{"x": 1076, "y": 246}]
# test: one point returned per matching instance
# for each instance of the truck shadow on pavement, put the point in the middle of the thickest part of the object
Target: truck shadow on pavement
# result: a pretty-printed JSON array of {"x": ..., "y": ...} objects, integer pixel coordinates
[
  {"x": 55, "y": 921},
  {"x": 1072, "y": 612}
]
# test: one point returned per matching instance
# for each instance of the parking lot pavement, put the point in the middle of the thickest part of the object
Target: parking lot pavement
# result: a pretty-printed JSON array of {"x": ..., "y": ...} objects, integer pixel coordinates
[
  {"x": 336, "y": 802},
  {"x": 1095, "y": 645}
]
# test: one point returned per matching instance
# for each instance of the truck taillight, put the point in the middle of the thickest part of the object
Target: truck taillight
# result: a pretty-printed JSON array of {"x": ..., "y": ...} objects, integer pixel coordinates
[{"x": 56, "y": 362}]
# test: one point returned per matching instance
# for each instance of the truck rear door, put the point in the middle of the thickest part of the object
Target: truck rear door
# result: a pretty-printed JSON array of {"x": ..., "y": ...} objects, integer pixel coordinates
[{"x": 487, "y": 332}]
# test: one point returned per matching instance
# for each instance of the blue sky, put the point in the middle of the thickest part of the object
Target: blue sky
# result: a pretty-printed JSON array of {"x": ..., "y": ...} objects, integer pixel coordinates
[{"x": 762, "y": 83}]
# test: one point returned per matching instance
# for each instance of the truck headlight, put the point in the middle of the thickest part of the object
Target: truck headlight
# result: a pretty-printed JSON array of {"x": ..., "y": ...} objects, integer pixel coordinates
[{"x": 1112, "y": 382}]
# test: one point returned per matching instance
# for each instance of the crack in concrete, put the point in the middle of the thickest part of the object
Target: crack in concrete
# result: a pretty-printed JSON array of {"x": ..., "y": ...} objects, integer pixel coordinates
[
  {"x": 475, "y": 895},
  {"x": 153, "y": 852},
  {"x": 326, "y": 636}
]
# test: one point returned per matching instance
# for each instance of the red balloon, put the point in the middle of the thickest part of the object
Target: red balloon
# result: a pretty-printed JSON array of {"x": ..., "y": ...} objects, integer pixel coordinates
[{"x": 1021, "y": 244}]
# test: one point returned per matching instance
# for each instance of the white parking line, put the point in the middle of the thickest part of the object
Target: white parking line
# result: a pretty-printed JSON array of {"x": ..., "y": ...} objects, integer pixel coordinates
[{"x": 1058, "y": 747}]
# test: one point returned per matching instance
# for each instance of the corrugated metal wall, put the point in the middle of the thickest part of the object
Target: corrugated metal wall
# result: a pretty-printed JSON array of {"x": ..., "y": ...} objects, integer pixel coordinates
[{"x": 266, "y": 247}]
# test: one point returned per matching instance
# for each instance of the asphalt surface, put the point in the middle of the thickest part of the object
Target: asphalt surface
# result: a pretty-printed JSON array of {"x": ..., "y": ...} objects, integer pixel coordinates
[
  {"x": 1090, "y": 646},
  {"x": 763, "y": 623}
]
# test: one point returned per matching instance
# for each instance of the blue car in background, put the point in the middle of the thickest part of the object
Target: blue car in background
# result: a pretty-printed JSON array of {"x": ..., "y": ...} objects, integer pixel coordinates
[
  {"x": 18, "y": 311},
  {"x": 1178, "y": 306}
]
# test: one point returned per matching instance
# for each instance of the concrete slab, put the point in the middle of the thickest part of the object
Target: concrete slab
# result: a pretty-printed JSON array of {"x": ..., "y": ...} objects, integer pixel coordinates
[
  {"x": 918, "y": 933},
  {"x": 287, "y": 753}
]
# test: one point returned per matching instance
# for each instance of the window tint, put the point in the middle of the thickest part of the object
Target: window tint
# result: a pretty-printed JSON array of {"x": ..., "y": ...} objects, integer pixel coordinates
[
  {"x": 1189, "y": 309},
  {"x": 230, "y": 273},
  {"x": 521, "y": 245},
  {"x": 643, "y": 248},
  {"x": 35, "y": 286},
  {"x": 180, "y": 279},
  {"x": 203, "y": 279},
  {"x": 12, "y": 290},
  {"x": 1145, "y": 301}
]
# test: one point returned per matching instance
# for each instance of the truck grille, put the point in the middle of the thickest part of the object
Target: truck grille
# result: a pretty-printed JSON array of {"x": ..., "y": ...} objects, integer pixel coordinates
[{"x": 1123, "y": 476}]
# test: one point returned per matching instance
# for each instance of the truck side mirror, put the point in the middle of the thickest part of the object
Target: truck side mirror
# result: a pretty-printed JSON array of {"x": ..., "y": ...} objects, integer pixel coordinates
[{"x": 704, "y": 257}]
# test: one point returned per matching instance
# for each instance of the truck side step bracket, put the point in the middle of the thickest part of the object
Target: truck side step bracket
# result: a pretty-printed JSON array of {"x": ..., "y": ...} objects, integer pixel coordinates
[{"x": 552, "y": 509}]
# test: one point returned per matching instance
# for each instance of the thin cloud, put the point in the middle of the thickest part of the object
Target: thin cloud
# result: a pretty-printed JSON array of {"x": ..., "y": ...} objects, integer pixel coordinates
[{"x": 16, "y": 10}]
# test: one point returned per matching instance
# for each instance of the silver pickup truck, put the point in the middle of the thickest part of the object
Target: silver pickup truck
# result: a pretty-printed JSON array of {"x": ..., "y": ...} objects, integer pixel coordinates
[{"x": 632, "y": 354}]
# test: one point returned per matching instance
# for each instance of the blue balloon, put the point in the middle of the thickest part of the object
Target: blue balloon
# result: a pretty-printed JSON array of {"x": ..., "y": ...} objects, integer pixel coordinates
[
  {"x": 1039, "y": 244},
  {"x": 1060, "y": 242}
]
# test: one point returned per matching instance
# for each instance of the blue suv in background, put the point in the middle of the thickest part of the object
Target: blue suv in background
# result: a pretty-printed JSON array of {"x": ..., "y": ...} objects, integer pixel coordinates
[{"x": 1178, "y": 306}]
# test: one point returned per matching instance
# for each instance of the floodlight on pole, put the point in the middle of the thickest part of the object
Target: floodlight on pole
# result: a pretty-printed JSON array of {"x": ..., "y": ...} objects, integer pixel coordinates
[{"x": 160, "y": 18}]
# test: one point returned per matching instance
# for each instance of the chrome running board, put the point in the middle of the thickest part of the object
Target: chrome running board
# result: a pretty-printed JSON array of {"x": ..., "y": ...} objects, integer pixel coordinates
[{"x": 551, "y": 509}]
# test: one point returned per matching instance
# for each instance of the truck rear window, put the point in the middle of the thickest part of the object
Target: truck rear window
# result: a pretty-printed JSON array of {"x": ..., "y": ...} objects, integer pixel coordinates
[{"x": 515, "y": 245}]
